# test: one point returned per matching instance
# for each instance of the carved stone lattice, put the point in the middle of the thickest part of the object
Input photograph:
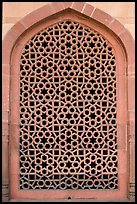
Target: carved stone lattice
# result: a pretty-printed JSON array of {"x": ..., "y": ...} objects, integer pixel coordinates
[{"x": 68, "y": 131}]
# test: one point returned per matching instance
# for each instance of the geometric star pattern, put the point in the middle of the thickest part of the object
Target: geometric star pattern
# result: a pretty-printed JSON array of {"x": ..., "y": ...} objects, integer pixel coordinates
[{"x": 68, "y": 130}]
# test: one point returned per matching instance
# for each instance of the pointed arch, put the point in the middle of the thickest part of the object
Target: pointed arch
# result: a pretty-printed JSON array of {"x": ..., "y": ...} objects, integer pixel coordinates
[{"x": 50, "y": 9}]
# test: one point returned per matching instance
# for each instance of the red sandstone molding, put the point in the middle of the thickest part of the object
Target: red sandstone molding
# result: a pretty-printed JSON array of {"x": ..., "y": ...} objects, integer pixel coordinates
[
  {"x": 131, "y": 91},
  {"x": 102, "y": 17},
  {"x": 78, "y": 6},
  {"x": 88, "y": 9},
  {"x": 35, "y": 17}
]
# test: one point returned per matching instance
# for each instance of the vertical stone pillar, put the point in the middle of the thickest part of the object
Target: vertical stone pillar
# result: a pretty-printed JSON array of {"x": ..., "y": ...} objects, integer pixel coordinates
[
  {"x": 5, "y": 127},
  {"x": 132, "y": 161},
  {"x": 131, "y": 129},
  {"x": 5, "y": 168}
]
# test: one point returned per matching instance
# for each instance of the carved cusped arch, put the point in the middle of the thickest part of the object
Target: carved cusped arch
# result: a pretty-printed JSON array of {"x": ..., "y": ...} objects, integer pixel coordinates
[{"x": 120, "y": 48}]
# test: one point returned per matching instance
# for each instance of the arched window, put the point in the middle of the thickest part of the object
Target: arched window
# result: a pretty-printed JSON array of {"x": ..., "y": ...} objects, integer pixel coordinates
[{"x": 68, "y": 108}]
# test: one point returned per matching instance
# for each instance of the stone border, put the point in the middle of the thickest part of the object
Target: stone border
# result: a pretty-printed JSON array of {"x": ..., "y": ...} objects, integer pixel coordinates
[{"x": 35, "y": 17}]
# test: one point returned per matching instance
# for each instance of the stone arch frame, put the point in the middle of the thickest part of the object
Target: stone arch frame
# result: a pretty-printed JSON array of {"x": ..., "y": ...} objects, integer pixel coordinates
[{"x": 33, "y": 19}]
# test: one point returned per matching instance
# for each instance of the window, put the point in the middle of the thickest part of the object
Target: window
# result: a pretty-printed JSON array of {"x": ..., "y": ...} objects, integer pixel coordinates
[
  {"x": 68, "y": 106},
  {"x": 68, "y": 122}
]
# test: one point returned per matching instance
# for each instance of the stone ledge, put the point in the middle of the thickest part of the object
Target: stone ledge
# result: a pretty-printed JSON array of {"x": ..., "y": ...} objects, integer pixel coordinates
[{"x": 72, "y": 200}]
